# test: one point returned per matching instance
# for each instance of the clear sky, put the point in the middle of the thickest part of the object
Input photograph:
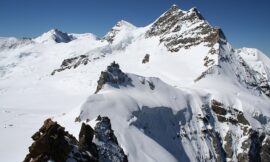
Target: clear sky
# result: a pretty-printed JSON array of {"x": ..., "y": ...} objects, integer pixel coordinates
[{"x": 244, "y": 22}]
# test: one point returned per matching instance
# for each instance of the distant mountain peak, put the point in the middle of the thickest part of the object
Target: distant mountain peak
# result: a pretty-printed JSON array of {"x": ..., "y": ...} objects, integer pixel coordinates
[
  {"x": 55, "y": 36},
  {"x": 119, "y": 26}
]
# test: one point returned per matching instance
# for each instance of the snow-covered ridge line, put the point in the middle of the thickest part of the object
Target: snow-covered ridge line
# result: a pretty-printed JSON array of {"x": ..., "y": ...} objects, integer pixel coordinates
[{"x": 149, "y": 106}]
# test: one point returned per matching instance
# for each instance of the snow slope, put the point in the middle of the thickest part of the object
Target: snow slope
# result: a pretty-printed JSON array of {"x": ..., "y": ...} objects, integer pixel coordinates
[
  {"x": 257, "y": 60},
  {"x": 168, "y": 111}
]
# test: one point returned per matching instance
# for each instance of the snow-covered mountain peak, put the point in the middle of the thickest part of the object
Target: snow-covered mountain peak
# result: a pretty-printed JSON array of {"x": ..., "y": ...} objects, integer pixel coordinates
[
  {"x": 183, "y": 29},
  {"x": 121, "y": 26},
  {"x": 54, "y": 36}
]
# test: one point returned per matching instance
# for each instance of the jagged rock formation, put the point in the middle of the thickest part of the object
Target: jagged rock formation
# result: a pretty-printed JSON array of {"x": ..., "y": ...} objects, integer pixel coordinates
[
  {"x": 53, "y": 143},
  {"x": 182, "y": 29},
  {"x": 107, "y": 145},
  {"x": 73, "y": 62},
  {"x": 113, "y": 76}
]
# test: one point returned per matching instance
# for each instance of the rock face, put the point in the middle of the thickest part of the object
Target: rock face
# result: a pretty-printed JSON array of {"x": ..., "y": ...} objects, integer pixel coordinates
[
  {"x": 53, "y": 143},
  {"x": 113, "y": 76},
  {"x": 182, "y": 29},
  {"x": 54, "y": 35},
  {"x": 235, "y": 132},
  {"x": 107, "y": 144},
  {"x": 61, "y": 37},
  {"x": 73, "y": 62}
]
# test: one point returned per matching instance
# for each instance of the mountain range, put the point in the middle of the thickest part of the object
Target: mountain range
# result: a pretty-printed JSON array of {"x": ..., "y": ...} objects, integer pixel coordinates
[{"x": 174, "y": 90}]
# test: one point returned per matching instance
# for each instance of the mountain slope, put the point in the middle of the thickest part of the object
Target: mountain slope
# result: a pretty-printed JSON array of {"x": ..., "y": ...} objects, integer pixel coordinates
[{"x": 189, "y": 125}]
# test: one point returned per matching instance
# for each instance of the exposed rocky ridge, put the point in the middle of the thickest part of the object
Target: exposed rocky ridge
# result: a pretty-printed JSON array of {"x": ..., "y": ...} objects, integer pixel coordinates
[
  {"x": 198, "y": 31},
  {"x": 223, "y": 60},
  {"x": 182, "y": 29},
  {"x": 73, "y": 62},
  {"x": 107, "y": 145},
  {"x": 113, "y": 76},
  {"x": 53, "y": 143}
]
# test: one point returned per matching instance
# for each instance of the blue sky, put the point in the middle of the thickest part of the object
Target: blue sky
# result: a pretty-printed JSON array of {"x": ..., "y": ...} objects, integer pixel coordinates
[{"x": 244, "y": 22}]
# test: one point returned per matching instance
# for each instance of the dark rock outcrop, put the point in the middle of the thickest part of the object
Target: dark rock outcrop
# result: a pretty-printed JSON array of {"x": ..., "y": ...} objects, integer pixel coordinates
[
  {"x": 236, "y": 116},
  {"x": 254, "y": 148},
  {"x": 73, "y": 62},
  {"x": 85, "y": 139},
  {"x": 113, "y": 76},
  {"x": 107, "y": 144},
  {"x": 53, "y": 143},
  {"x": 146, "y": 59},
  {"x": 60, "y": 37},
  {"x": 265, "y": 149}
]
